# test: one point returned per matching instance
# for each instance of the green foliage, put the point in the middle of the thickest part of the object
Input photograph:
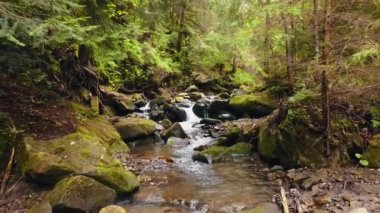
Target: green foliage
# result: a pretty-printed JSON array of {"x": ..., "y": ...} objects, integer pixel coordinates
[
  {"x": 362, "y": 162},
  {"x": 302, "y": 96},
  {"x": 242, "y": 77}
]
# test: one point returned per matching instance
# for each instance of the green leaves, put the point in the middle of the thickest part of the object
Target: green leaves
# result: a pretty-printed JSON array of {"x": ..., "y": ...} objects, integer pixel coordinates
[{"x": 362, "y": 162}]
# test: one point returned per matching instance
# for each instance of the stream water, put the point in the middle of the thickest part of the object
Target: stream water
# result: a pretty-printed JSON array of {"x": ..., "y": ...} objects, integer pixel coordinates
[{"x": 188, "y": 186}]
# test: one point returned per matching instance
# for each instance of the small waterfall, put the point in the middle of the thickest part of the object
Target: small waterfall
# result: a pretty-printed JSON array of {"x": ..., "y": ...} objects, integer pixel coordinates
[
  {"x": 191, "y": 119},
  {"x": 145, "y": 110}
]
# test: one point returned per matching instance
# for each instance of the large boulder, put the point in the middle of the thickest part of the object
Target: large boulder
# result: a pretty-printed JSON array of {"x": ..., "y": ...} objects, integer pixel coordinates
[
  {"x": 292, "y": 137},
  {"x": 372, "y": 153},
  {"x": 107, "y": 134},
  {"x": 175, "y": 130},
  {"x": 122, "y": 103},
  {"x": 75, "y": 154},
  {"x": 219, "y": 107},
  {"x": 256, "y": 105},
  {"x": 174, "y": 113},
  {"x": 80, "y": 194},
  {"x": 200, "y": 110},
  {"x": 133, "y": 128}
]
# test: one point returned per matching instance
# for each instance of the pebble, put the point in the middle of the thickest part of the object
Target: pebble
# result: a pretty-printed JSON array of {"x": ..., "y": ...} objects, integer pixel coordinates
[
  {"x": 276, "y": 168},
  {"x": 347, "y": 197},
  {"x": 323, "y": 200}
]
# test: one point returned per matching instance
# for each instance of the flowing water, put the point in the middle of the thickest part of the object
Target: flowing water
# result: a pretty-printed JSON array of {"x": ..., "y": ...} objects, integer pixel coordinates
[{"x": 188, "y": 186}]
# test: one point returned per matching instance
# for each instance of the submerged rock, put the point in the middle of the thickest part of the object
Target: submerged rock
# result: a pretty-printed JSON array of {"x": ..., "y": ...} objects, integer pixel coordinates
[
  {"x": 264, "y": 208},
  {"x": 178, "y": 142},
  {"x": 372, "y": 153},
  {"x": 132, "y": 128},
  {"x": 222, "y": 153},
  {"x": 80, "y": 193},
  {"x": 51, "y": 161},
  {"x": 174, "y": 131},
  {"x": 256, "y": 105}
]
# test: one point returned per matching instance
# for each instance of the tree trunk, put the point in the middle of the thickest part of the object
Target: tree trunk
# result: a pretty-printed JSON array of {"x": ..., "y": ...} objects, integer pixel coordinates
[
  {"x": 267, "y": 42},
  {"x": 181, "y": 30},
  {"x": 325, "y": 111},
  {"x": 289, "y": 45},
  {"x": 327, "y": 50},
  {"x": 316, "y": 30}
]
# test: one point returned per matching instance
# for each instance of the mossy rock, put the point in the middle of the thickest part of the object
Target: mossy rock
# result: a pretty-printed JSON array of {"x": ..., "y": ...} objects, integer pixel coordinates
[
  {"x": 372, "y": 154},
  {"x": 267, "y": 144},
  {"x": 240, "y": 149},
  {"x": 103, "y": 130},
  {"x": 132, "y": 128},
  {"x": 222, "y": 153},
  {"x": 257, "y": 104},
  {"x": 80, "y": 193},
  {"x": 51, "y": 161}
]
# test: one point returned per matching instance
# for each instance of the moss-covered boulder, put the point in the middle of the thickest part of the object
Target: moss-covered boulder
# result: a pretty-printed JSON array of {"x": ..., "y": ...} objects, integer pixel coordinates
[
  {"x": 80, "y": 193},
  {"x": 222, "y": 153},
  {"x": 51, "y": 161},
  {"x": 372, "y": 153},
  {"x": 256, "y": 105},
  {"x": 121, "y": 103},
  {"x": 292, "y": 137},
  {"x": 132, "y": 128},
  {"x": 107, "y": 134}
]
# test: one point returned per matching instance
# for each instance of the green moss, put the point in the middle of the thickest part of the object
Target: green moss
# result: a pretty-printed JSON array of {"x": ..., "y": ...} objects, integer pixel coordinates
[
  {"x": 267, "y": 143},
  {"x": 256, "y": 104},
  {"x": 77, "y": 153},
  {"x": 372, "y": 154},
  {"x": 240, "y": 148},
  {"x": 117, "y": 178},
  {"x": 215, "y": 152},
  {"x": 131, "y": 128}
]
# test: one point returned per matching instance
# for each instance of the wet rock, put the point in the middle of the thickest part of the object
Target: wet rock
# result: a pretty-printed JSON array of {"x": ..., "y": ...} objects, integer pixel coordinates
[
  {"x": 51, "y": 161},
  {"x": 223, "y": 96},
  {"x": 219, "y": 107},
  {"x": 157, "y": 115},
  {"x": 166, "y": 123},
  {"x": 221, "y": 153},
  {"x": 113, "y": 209},
  {"x": 372, "y": 154},
  {"x": 80, "y": 193},
  {"x": 227, "y": 116},
  {"x": 131, "y": 128},
  {"x": 210, "y": 121},
  {"x": 257, "y": 104},
  {"x": 174, "y": 113},
  {"x": 155, "y": 138},
  {"x": 140, "y": 103},
  {"x": 221, "y": 141},
  {"x": 233, "y": 133},
  {"x": 264, "y": 208},
  {"x": 178, "y": 142},
  {"x": 240, "y": 149},
  {"x": 174, "y": 131},
  {"x": 192, "y": 88},
  {"x": 200, "y": 110},
  {"x": 195, "y": 96},
  {"x": 156, "y": 103},
  {"x": 200, "y": 158},
  {"x": 359, "y": 210}
]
